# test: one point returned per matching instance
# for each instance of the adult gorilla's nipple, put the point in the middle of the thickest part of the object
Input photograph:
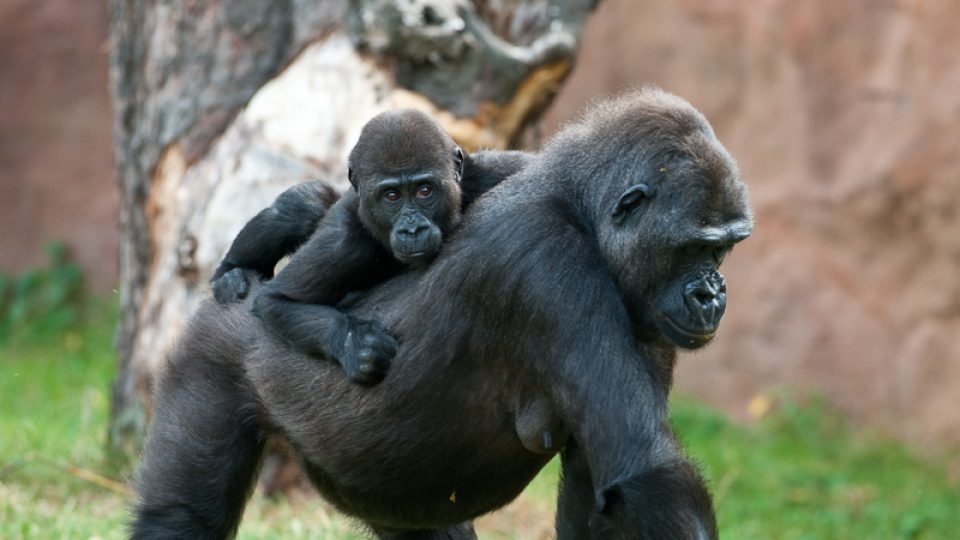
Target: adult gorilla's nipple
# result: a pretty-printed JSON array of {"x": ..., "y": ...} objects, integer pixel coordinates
[{"x": 539, "y": 428}]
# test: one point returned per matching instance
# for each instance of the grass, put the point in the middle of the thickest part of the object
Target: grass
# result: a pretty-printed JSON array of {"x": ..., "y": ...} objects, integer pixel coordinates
[
  {"x": 54, "y": 399},
  {"x": 797, "y": 473},
  {"x": 800, "y": 473}
]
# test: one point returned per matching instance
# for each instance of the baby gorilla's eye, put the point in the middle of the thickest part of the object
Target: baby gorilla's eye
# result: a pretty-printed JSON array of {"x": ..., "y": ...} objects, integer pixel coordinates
[
  {"x": 425, "y": 191},
  {"x": 391, "y": 195}
]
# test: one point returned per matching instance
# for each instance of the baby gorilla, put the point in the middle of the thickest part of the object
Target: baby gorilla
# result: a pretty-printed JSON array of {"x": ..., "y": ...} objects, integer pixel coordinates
[{"x": 406, "y": 173}]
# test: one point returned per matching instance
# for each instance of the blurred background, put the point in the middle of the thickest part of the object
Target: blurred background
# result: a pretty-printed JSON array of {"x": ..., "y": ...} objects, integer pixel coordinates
[{"x": 829, "y": 405}]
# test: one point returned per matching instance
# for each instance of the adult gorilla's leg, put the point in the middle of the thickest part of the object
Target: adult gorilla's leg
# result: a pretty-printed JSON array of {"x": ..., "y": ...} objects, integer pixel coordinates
[
  {"x": 576, "y": 502},
  {"x": 204, "y": 446},
  {"x": 463, "y": 531}
]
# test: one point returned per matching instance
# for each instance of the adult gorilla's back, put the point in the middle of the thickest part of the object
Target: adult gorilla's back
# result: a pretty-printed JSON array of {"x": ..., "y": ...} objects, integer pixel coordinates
[{"x": 550, "y": 321}]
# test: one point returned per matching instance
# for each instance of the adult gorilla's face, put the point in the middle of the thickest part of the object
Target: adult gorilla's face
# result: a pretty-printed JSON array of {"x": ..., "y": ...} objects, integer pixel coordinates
[
  {"x": 669, "y": 225},
  {"x": 688, "y": 309}
]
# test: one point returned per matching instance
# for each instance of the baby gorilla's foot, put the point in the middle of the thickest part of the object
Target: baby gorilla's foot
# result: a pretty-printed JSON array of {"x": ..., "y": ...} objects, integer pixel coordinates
[{"x": 368, "y": 349}]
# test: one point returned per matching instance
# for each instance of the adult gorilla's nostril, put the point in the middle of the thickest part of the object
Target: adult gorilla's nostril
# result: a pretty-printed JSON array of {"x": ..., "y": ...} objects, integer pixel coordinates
[
  {"x": 703, "y": 297},
  {"x": 700, "y": 295},
  {"x": 717, "y": 281}
]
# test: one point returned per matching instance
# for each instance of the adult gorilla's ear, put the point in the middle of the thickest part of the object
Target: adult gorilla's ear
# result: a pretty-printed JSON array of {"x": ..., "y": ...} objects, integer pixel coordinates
[
  {"x": 458, "y": 162},
  {"x": 350, "y": 178},
  {"x": 632, "y": 198}
]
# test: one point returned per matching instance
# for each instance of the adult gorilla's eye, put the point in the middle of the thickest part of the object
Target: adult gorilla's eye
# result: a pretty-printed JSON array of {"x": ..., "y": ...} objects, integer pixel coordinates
[
  {"x": 391, "y": 195},
  {"x": 425, "y": 191}
]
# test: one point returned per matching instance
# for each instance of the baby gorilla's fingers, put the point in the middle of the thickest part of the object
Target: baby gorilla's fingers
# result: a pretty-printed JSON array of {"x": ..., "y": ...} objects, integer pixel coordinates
[
  {"x": 230, "y": 287},
  {"x": 375, "y": 347}
]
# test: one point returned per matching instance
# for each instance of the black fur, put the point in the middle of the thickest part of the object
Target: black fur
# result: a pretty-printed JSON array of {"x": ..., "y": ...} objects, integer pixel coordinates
[
  {"x": 540, "y": 327},
  {"x": 275, "y": 232},
  {"x": 208, "y": 426}
]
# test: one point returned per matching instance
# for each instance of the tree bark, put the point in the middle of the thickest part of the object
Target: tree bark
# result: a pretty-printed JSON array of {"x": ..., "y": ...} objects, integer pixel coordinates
[{"x": 220, "y": 105}]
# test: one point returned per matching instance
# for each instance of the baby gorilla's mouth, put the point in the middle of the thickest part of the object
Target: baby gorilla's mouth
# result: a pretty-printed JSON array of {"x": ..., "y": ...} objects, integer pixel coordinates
[
  {"x": 413, "y": 255},
  {"x": 416, "y": 259}
]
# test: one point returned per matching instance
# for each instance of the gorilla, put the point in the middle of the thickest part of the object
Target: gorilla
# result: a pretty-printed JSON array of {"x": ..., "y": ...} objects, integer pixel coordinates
[
  {"x": 406, "y": 175},
  {"x": 550, "y": 322}
]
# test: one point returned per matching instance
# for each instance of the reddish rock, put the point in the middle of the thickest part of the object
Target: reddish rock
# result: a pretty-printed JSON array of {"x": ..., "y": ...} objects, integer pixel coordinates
[{"x": 56, "y": 150}]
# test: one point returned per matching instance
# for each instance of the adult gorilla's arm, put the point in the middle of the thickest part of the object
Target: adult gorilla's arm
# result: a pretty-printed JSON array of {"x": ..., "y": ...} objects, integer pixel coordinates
[
  {"x": 624, "y": 474},
  {"x": 275, "y": 232},
  {"x": 622, "y": 450}
]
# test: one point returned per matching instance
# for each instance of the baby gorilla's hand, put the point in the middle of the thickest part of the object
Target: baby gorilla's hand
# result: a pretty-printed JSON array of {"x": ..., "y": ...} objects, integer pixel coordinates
[
  {"x": 367, "y": 351},
  {"x": 231, "y": 286}
]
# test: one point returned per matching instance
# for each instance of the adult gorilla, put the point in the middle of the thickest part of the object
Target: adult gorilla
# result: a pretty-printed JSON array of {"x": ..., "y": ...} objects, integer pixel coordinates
[{"x": 549, "y": 322}]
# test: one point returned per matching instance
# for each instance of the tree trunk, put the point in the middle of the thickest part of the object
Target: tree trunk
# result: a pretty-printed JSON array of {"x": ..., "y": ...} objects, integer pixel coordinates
[{"x": 220, "y": 105}]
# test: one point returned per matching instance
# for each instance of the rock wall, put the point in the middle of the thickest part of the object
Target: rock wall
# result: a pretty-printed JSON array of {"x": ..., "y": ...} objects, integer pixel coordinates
[
  {"x": 845, "y": 120},
  {"x": 56, "y": 150},
  {"x": 844, "y": 116}
]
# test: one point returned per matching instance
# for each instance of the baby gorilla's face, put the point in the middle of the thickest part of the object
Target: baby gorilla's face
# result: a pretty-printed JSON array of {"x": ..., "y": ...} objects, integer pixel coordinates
[
  {"x": 414, "y": 206},
  {"x": 410, "y": 214},
  {"x": 407, "y": 171}
]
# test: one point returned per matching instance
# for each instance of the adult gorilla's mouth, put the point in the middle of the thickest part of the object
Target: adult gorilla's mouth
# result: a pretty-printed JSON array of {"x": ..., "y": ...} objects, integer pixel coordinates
[{"x": 683, "y": 336}]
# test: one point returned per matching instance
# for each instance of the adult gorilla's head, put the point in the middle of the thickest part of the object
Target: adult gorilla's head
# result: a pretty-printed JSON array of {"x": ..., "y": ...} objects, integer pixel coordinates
[{"x": 670, "y": 207}]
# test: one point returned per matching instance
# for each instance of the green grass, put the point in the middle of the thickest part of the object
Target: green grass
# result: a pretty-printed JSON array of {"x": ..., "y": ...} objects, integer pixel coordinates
[
  {"x": 801, "y": 474},
  {"x": 54, "y": 398},
  {"x": 798, "y": 473}
]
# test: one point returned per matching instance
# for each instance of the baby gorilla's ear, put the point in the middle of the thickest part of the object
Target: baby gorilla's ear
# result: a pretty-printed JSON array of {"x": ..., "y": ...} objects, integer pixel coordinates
[{"x": 458, "y": 162}]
